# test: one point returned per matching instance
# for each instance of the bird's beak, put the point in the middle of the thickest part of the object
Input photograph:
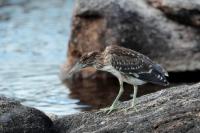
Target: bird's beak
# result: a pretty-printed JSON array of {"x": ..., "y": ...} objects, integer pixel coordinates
[{"x": 74, "y": 69}]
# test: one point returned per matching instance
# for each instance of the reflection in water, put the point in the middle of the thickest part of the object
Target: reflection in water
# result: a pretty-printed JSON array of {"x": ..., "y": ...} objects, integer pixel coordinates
[{"x": 99, "y": 93}]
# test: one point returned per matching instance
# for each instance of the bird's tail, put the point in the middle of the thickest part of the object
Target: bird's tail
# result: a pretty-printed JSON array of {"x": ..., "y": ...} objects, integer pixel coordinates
[
  {"x": 161, "y": 70},
  {"x": 160, "y": 75},
  {"x": 156, "y": 76}
]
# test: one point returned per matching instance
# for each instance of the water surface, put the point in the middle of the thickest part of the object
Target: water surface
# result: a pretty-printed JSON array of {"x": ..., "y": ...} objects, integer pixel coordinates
[{"x": 33, "y": 44}]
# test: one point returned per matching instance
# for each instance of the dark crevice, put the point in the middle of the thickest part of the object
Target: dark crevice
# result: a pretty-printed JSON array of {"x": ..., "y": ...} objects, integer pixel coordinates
[
  {"x": 185, "y": 17},
  {"x": 184, "y": 77},
  {"x": 182, "y": 15}
]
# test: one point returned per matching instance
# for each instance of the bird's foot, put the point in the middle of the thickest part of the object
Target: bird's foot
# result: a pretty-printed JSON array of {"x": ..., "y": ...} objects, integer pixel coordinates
[
  {"x": 131, "y": 107},
  {"x": 108, "y": 110}
]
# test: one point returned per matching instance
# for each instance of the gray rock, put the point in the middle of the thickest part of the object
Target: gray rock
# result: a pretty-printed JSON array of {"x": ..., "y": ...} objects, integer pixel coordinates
[
  {"x": 184, "y": 12},
  {"x": 16, "y": 118},
  {"x": 173, "y": 110},
  {"x": 165, "y": 30}
]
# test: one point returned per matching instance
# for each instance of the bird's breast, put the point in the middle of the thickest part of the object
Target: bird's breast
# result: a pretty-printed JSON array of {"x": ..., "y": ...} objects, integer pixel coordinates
[
  {"x": 112, "y": 70},
  {"x": 132, "y": 80}
]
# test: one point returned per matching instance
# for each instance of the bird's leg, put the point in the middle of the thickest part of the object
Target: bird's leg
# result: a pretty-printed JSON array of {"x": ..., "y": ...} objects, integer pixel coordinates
[
  {"x": 134, "y": 97},
  {"x": 114, "y": 104},
  {"x": 133, "y": 100}
]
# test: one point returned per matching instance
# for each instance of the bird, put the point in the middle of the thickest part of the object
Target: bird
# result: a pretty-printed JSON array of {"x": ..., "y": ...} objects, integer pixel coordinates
[{"x": 127, "y": 65}]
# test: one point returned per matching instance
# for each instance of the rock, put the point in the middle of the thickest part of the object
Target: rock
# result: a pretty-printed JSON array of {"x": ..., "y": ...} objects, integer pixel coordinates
[
  {"x": 165, "y": 30},
  {"x": 184, "y": 12},
  {"x": 16, "y": 118},
  {"x": 173, "y": 110}
]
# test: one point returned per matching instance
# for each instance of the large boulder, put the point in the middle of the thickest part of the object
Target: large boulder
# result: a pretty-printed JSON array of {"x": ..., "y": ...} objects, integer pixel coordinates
[
  {"x": 16, "y": 118},
  {"x": 173, "y": 110},
  {"x": 167, "y": 31}
]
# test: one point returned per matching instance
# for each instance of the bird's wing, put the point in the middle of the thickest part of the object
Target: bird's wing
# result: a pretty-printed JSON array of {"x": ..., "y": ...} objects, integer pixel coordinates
[
  {"x": 137, "y": 65},
  {"x": 131, "y": 64}
]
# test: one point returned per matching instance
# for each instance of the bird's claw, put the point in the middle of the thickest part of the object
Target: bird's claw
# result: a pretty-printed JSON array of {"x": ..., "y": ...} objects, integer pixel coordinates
[
  {"x": 109, "y": 109},
  {"x": 131, "y": 107},
  {"x": 113, "y": 107}
]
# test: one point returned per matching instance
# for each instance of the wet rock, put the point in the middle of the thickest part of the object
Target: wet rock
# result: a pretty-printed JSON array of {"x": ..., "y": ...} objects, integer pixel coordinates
[
  {"x": 173, "y": 110},
  {"x": 165, "y": 30},
  {"x": 16, "y": 118}
]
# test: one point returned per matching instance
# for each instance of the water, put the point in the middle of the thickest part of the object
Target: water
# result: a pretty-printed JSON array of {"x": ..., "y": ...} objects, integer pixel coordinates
[{"x": 33, "y": 44}]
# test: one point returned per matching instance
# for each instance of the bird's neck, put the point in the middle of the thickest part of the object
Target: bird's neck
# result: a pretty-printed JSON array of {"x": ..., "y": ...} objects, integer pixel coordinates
[{"x": 98, "y": 61}]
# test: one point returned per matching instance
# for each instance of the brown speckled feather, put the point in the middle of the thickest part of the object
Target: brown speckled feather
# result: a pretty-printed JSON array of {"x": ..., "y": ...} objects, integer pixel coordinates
[{"x": 134, "y": 64}]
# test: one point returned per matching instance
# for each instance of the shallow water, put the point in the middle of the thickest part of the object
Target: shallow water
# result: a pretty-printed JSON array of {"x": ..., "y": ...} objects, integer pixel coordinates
[{"x": 33, "y": 38}]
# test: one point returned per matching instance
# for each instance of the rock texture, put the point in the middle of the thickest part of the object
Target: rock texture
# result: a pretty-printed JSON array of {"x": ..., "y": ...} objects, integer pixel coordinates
[
  {"x": 167, "y": 31},
  {"x": 184, "y": 12},
  {"x": 173, "y": 110},
  {"x": 16, "y": 118}
]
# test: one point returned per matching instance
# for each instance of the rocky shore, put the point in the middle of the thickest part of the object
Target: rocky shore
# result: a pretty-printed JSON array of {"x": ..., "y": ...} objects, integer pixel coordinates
[{"x": 173, "y": 110}]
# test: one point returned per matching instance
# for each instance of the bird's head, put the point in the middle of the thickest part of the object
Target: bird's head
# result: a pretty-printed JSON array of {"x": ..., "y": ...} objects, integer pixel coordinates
[{"x": 87, "y": 60}]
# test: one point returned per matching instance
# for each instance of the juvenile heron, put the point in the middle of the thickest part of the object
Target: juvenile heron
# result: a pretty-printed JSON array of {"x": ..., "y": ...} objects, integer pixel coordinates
[{"x": 127, "y": 65}]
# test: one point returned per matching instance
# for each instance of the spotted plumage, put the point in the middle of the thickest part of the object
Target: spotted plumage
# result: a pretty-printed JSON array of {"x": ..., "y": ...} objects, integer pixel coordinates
[
  {"x": 127, "y": 65},
  {"x": 134, "y": 65}
]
